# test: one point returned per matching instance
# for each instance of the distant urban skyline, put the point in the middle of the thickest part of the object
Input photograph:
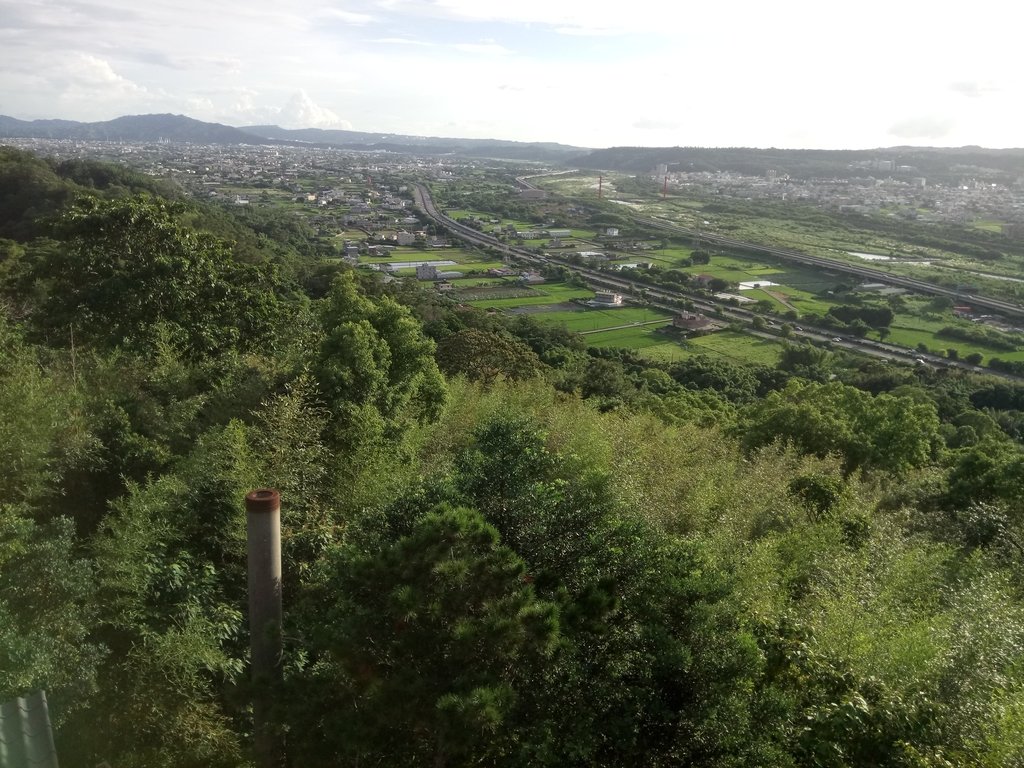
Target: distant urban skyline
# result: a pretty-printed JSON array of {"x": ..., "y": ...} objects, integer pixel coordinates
[{"x": 643, "y": 73}]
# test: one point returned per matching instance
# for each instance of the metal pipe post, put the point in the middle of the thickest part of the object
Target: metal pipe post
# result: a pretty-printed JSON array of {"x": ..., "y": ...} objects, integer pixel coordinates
[{"x": 263, "y": 529}]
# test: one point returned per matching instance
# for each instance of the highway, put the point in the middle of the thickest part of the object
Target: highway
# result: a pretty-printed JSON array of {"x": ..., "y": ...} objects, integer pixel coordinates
[{"x": 670, "y": 300}]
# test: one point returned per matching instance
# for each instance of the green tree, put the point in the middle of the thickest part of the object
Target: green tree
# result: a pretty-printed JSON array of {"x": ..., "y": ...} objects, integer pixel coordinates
[
  {"x": 646, "y": 642},
  {"x": 44, "y": 435},
  {"x": 484, "y": 356},
  {"x": 887, "y": 432},
  {"x": 170, "y": 574},
  {"x": 131, "y": 271},
  {"x": 47, "y": 611},
  {"x": 423, "y": 646},
  {"x": 375, "y": 367}
]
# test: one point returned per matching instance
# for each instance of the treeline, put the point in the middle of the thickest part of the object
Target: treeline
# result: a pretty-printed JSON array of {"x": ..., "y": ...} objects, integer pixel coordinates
[{"x": 500, "y": 547}]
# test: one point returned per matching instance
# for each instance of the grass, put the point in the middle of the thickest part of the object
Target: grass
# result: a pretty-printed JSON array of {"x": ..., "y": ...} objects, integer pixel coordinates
[
  {"x": 594, "y": 319},
  {"x": 804, "y": 301},
  {"x": 459, "y": 255},
  {"x": 491, "y": 293},
  {"x": 471, "y": 267},
  {"x": 477, "y": 282},
  {"x": 548, "y": 293},
  {"x": 911, "y": 330},
  {"x": 640, "y": 338},
  {"x": 988, "y": 225},
  {"x": 460, "y": 213},
  {"x": 759, "y": 294},
  {"x": 667, "y": 257},
  {"x": 468, "y": 269},
  {"x": 737, "y": 346}
]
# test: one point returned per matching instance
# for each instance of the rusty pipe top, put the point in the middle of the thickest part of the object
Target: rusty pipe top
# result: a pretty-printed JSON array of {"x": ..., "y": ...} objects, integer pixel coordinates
[{"x": 263, "y": 500}]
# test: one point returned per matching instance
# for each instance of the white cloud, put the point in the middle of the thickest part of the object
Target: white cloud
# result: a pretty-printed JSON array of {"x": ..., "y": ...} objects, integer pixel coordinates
[
  {"x": 796, "y": 72},
  {"x": 91, "y": 72},
  {"x": 484, "y": 48},
  {"x": 973, "y": 89},
  {"x": 400, "y": 41},
  {"x": 349, "y": 17},
  {"x": 302, "y": 112}
]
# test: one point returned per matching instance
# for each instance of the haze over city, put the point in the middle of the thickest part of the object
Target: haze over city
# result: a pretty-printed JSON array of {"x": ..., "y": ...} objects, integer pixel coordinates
[{"x": 792, "y": 74}]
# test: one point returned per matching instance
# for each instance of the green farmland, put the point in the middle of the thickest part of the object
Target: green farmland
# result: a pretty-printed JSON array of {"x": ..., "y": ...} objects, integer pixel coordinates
[
  {"x": 596, "y": 319},
  {"x": 734, "y": 346},
  {"x": 547, "y": 293},
  {"x": 641, "y": 337}
]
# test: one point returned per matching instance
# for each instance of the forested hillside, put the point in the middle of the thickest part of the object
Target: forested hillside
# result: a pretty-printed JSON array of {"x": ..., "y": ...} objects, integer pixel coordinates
[{"x": 500, "y": 547}]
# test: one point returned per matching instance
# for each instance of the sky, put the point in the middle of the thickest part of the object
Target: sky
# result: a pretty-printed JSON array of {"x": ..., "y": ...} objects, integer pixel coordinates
[{"x": 589, "y": 73}]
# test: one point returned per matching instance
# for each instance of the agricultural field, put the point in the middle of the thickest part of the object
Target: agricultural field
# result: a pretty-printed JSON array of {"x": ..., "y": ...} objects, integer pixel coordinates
[
  {"x": 352, "y": 234},
  {"x": 466, "y": 268},
  {"x": 592, "y": 319},
  {"x": 988, "y": 225},
  {"x": 735, "y": 346},
  {"x": 667, "y": 257},
  {"x": 547, "y": 293},
  {"x": 461, "y": 213},
  {"x": 942, "y": 255},
  {"x": 583, "y": 184},
  {"x": 476, "y": 294},
  {"x": 481, "y": 282},
  {"x": 910, "y": 330},
  {"x": 641, "y": 338},
  {"x": 458, "y": 255}
]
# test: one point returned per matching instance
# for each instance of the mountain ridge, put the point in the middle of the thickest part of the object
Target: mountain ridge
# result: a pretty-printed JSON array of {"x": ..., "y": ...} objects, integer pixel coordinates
[
  {"x": 947, "y": 163},
  {"x": 170, "y": 127}
]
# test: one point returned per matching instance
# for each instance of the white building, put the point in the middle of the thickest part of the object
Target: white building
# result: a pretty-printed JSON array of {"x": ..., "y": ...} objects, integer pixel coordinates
[{"x": 607, "y": 299}]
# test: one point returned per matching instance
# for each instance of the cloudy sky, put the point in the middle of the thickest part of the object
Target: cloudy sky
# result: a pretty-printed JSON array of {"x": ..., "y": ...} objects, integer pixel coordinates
[{"x": 587, "y": 72}]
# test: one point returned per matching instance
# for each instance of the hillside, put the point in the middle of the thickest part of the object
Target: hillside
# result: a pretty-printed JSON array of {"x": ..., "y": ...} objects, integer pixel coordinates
[
  {"x": 128, "y": 128},
  {"x": 500, "y": 547}
]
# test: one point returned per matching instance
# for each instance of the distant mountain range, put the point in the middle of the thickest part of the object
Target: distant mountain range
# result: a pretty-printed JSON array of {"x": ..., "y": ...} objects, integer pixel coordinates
[
  {"x": 185, "y": 129},
  {"x": 936, "y": 163},
  {"x": 946, "y": 164},
  {"x": 128, "y": 128}
]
